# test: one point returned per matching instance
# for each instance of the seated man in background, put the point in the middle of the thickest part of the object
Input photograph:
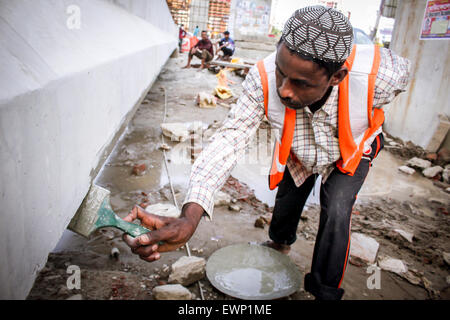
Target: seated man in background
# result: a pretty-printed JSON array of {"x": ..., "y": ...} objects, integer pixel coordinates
[
  {"x": 202, "y": 50},
  {"x": 226, "y": 45}
]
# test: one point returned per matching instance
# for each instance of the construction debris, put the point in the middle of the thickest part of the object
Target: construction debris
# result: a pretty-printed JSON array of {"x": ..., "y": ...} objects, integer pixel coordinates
[
  {"x": 407, "y": 235},
  {"x": 222, "y": 199},
  {"x": 432, "y": 171},
  {"x": 181, "y": 131},
  {"x": 392, "y": 265},
  {"x": 206, "y": 100},
  {"x": 419, "y": 163},
  {"x": 407, "y": 170},
  {"x": 139, "y": 169},
  {"x": 363, "y": 247},
  {"x": 171, "y": 292},
  {"x": 188, "y": 270}
]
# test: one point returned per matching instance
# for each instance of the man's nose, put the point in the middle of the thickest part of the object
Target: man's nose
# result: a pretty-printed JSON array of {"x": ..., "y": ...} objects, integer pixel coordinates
[{"x": 286, "y": 89}]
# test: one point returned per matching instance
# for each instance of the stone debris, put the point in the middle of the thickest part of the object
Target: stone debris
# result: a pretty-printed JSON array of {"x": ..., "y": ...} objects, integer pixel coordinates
[
  {"x": 171, "y": 292},
  {"x": 187, "y": 270},
  {"x": 446, "y": 257},
  {"x": 418, "y": 163},
  {"x": 392, "y": 265},
  {"x": 234, "y": 207},
  {"x": 75, "y": 297},
  {"x": 364, "y": 247},
  {"x": 165, "y": 268},
  {"x": 446, "y": 174},
  {"x": 165, "y": 147},
  {"x": 180, "y": 131},
  {"x": 139, "y": 169},
  {"x": 437, "y": 201},
  {"x": 164, "y": 210},
  {"x": 407, "y": 170},
  {"x": 261, "y": 222},
  {"x": 206, "y": 100},
  {"x": 222, "y": 199},
  {"x": 448, "y": 279},
  {"x": 115, "y": 253},
  {"x": 407, "y": 235},
  {"x": 432, "y": 171}
]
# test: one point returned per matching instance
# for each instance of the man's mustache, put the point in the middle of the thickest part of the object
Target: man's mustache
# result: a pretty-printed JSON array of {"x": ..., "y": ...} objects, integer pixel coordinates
[{"x": 289, "y": 101}]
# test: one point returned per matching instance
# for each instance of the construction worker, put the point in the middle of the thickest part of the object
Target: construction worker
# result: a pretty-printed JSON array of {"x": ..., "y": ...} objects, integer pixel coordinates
[
  {"x": 203, "y": 50},
  {"x": 226, "y": 45},
  {"x": 324, "y": 97}
]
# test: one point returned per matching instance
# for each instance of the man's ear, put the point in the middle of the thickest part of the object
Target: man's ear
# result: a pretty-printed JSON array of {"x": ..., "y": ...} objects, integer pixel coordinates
[{"x": 338, "y": 76}]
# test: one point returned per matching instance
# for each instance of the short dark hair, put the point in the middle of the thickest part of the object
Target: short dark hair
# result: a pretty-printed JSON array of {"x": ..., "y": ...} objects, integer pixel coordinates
[
  {"x": 227, "y": 33},
  {"x": 204, "y": 31},
  {"x": 330, "y": 67}
]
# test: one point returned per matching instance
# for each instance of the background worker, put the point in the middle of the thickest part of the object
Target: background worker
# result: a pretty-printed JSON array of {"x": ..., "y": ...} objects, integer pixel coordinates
[
  {"x": 227, "y": 46},
  {"x": 325, "y": 127},
  {"x": 181, "y": 35},
  {"x": 202, "y": 50}
]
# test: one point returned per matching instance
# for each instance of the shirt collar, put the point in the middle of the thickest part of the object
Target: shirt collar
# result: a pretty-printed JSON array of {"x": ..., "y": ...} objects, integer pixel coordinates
[{"x": 330, "y": 104}]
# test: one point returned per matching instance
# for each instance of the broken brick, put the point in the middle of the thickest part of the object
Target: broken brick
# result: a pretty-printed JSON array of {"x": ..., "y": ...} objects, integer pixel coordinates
[{"x": 139, "y": 169}]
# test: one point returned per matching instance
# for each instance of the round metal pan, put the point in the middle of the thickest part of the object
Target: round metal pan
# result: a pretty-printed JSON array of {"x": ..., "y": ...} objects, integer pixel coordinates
[{"x": 253, "y": 272}]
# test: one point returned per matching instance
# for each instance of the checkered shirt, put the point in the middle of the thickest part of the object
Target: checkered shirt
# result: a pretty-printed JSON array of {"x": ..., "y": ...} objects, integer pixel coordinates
[{"x": 315, "y": 144}]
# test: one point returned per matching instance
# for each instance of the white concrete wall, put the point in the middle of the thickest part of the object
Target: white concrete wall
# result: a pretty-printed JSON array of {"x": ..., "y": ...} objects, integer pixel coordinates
[
  {"x": 64, "y": 94},
  {"x": 153, "y": 11},
  {"x": 413, "y": 116}
]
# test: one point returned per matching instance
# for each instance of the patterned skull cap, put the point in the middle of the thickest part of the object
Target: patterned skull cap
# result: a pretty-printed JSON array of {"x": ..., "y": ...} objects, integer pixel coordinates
[{"x": 320, "y": 32}]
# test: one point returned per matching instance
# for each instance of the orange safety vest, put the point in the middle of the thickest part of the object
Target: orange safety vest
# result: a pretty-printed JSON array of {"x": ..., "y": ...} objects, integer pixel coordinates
[{"x": 357, "y": 119}]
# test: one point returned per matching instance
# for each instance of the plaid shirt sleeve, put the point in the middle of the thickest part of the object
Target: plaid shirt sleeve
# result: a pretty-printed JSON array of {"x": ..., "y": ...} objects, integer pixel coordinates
[
  {"x": 393, "y": 77},
  {"x": 214, "y": 165}
]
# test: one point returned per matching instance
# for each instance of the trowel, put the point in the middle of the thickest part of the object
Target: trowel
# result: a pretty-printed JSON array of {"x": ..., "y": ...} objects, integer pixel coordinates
[{"x": 95, "y": 213}]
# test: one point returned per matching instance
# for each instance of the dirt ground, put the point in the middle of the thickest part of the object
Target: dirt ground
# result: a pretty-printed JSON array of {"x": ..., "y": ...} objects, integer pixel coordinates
[{"x": 388, "y": 200}]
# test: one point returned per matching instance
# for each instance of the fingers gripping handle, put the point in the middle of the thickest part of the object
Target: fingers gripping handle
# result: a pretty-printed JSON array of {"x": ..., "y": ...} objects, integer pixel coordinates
[{"x": 132, "y": 229}]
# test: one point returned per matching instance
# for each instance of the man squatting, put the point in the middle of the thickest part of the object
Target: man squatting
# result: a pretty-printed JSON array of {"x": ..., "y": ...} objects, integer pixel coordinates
[{"x": 325, "y": 98}]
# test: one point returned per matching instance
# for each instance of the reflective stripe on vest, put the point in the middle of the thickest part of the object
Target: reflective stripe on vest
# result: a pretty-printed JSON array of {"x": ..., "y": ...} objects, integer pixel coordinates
[{"x": 357, "y": 120}]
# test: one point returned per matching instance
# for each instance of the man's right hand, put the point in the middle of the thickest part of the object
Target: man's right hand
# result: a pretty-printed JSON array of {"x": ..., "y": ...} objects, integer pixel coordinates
[{"x": 168, "y": 234}]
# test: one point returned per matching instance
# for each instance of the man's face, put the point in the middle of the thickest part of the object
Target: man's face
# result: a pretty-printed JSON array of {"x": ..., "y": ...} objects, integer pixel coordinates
[
  {"x": 226, "y": 36},
  {"x": 204, "y": 36},
  {"x": 300, "y": 83}
]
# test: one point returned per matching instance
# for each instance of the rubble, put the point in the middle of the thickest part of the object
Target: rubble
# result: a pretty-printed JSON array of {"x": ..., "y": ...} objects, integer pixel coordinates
[
  {"x": 432, "y": 171},
  {"x": 392, "y": 265},
  {"x": 180, "y": 131},
  {"x": 75, "y": 297},
  {"x": 262, "y": 221},
  {"x": 115, "y": 253},
  {"x": 407, "y": 170},
  {"x": 139, "y": 169},
  {"x": 165, "y": 147},
  {"x": 418, "y": 163},
  {"x": 446, "y": 257},
  {"x": 446, "y": 174},
  {"x": 234, "y": 207},
  {"x": 206, "y": 100},
  {"x": 363, "y": 247},
  {"x": 187, "y": 270},
  {"x": 171, "y": 292},
  {"x": 164, "y": 210},
  {"x": 222, "y": 199},
  {"x": 407, "y": 235}
]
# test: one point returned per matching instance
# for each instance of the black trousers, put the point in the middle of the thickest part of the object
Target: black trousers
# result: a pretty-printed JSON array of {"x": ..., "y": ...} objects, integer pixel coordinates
[{"x": 337, "y": 197}]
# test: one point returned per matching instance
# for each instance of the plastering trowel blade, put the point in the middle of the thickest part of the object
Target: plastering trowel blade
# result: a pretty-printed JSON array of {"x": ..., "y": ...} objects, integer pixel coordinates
[{"x": 95, "y": 212}]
